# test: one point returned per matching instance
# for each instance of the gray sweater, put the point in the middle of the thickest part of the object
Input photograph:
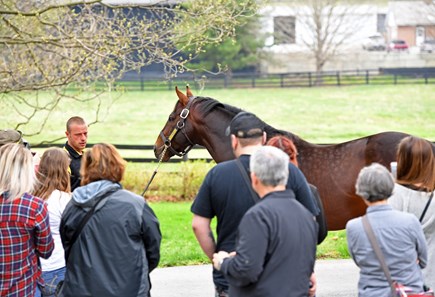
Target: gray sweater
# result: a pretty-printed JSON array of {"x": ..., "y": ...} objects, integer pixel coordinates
[{"x": 402, "y": 242}]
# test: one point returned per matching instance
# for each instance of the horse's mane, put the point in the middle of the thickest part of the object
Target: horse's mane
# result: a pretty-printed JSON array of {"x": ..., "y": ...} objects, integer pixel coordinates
[{"x": 208, "y": 104}]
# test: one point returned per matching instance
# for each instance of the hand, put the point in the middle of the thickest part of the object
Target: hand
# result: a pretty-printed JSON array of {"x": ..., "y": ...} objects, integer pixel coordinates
[
  {"x": 313, "y": 285},
  {"x": 218, "y": 258}
]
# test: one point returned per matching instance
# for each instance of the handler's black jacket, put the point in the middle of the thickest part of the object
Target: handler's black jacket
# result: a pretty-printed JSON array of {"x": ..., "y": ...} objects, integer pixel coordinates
[
  {"x": 74, "y": 166},
  {"x": 276, "y": 249}
]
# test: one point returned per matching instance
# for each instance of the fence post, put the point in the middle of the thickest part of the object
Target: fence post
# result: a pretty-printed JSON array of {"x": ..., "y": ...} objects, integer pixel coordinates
[
  {"x": 225, "y": 81},
  {"x": 282, "y": 80},
  {"x": 310, "y": 80},
  {"x": 253, "y": 80},
  {"x": 142, "y": 83},
  {"x": 367, "y": 77},
  {"x": 338, "y": 78}
]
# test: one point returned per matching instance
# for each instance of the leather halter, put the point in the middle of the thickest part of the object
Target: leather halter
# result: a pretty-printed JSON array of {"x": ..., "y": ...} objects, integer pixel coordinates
[{"x": 180, "y": 126}]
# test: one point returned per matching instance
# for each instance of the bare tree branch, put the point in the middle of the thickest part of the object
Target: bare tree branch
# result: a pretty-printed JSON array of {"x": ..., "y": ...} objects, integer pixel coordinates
[{"x": 49, "y": 46}]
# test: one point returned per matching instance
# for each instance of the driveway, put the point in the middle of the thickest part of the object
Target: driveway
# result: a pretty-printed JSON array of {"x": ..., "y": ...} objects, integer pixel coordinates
[{"x": 335, "y": 278}]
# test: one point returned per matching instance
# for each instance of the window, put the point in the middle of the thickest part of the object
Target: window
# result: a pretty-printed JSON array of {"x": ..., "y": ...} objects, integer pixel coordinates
[
  {"x": 284, "y": 29},
  {"x": 381, "y": 22}
]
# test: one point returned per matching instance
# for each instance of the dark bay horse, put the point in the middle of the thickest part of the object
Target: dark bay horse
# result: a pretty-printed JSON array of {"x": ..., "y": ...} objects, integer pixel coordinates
[{"x": 333, "y": 169}]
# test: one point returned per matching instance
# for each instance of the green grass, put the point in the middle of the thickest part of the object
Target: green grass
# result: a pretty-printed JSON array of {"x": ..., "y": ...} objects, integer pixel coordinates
[
  {"x": 179, "y": 246},
  {"x": 319, "y": 115}
]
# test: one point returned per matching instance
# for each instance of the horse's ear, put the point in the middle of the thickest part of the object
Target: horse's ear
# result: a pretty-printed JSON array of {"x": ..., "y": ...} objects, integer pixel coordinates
[
  {"x": 181, "y": 97},
  {"x": 188, "y": 92}
]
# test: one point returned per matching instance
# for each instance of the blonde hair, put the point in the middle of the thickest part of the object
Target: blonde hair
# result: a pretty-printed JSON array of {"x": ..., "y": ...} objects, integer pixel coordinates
[
  {"x": 416, "y": 163},
  {"x": 102, "y": 162},
  {"x": 53, "y": 173},
  {"x": 17, "y": 174}
]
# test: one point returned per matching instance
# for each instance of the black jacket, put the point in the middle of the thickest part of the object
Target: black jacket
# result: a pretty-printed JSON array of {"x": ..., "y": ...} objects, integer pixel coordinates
[
  {"x": 117, "y": 248},
  {"x": 276, "y": 249},
  {"x": 76, "y": 160}
]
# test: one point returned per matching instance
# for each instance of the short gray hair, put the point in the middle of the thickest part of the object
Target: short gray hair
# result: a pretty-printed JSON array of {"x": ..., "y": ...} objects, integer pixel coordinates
[
  {"x": 270, "y": 165},
  {"x": 374, "y": 183}
]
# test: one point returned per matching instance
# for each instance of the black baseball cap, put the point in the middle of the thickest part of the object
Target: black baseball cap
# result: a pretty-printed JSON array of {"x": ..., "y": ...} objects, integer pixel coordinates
[{"x": 245, "y": 125}]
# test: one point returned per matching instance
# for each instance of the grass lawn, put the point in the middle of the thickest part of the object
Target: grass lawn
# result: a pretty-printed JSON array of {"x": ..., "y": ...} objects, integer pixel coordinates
[
  {"x": 179, "y": 246},
  {"x": 319, "y": 115}
]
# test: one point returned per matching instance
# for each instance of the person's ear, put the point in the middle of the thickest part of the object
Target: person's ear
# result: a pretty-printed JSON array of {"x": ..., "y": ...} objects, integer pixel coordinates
[
  {"x": 264, "y": 138},
  {"x": 234, "y": 142},
  {"x": 254, "y": 180}
]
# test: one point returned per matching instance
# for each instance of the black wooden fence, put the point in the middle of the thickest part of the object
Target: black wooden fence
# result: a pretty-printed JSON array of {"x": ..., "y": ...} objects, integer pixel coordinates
[
  {"x": 381, "y": 76},
  {"x": 127, "y": 147}
]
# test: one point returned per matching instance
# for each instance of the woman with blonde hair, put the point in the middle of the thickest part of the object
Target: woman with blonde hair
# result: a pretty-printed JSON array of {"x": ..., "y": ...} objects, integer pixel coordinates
[
  {"x": 414, "y": 190},
  {"x": 119, "y": 245},
  {"x": 24, "y": 230},
  {"x": 54, "y": 187}
]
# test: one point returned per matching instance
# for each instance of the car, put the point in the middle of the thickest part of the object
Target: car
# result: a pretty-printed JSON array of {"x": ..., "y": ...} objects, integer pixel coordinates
[
  {"x": 398, "y": 45},
  {"x": 374, "y": 43},
  {"x": 428, "y": 46}
]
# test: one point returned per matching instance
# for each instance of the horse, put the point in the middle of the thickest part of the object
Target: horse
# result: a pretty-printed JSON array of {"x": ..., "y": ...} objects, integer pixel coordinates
[{"x": 333, "y": 169}]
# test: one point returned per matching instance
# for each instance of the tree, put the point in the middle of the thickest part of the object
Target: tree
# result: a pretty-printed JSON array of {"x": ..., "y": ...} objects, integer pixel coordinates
[
  {"x": 324, "y": 27},
  {"x": 236, "y": 52},
  {"x": 50, "y": 46}
]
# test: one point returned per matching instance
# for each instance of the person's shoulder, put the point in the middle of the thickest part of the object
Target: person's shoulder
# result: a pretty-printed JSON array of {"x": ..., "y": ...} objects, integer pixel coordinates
[
  {"x": 405, "y": 217},
  {"x": 353, "y": 224},
  {"x": 223, "y": 167}
]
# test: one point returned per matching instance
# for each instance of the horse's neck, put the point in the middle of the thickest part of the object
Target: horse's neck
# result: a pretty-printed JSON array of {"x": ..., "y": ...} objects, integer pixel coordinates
[{"x": 213, "y": 138}]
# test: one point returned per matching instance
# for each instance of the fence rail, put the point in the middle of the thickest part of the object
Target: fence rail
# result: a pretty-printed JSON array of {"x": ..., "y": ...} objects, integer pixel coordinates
[
  {"x": 381, "y": 76},
  {"x": 136, "y": 147},
  {"x": 142, "y": 147}
]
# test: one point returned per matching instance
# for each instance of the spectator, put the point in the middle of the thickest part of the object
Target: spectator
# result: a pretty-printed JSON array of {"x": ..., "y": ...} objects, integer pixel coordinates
[
  {"x": 54, "y": 188},
  {"x": 414, "y": 186},
  {"x": 24, "y": 230},
  {"x": 276, "y": 243},
  {"x": 120, "y": 244},
  {"x": 16, "y": 136},
  {"x": 226, "y": 195},
  {"x": 77, "y": 135},
  {"x": 399, "y": 235},
  {"x": 286, "y": 145},
  {"x": 10, "y": 136}
]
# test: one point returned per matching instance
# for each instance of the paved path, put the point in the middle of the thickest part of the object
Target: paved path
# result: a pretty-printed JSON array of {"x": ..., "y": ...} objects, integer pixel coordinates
[{"x": 335, "y": 278}]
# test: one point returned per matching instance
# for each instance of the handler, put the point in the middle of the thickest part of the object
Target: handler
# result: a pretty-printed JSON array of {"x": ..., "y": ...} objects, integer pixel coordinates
[{"x": 77, "y": 135}]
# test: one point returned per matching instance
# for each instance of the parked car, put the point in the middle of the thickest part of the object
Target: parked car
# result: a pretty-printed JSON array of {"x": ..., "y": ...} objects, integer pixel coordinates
[
  {"x": 397, "y": 45},
  {"x": 428, "y": 46},
  {"x": 374, "y": 43}
]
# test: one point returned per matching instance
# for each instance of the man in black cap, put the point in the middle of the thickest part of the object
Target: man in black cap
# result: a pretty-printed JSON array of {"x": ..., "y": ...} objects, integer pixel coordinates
[{"x": 226, "y": 193}]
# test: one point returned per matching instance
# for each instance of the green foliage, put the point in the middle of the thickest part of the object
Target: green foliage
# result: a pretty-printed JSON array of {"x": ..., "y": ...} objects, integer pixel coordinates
[
  {"x": 233, "y": 52},
  {"x": 178, "y": 184}
]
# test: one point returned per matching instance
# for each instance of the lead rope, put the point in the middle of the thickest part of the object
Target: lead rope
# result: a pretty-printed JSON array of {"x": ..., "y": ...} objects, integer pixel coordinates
[{"x": 155, "y": 170}]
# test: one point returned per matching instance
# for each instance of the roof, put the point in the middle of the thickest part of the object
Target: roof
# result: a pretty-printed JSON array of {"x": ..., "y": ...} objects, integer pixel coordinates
[{"x": 412, "y": 13}]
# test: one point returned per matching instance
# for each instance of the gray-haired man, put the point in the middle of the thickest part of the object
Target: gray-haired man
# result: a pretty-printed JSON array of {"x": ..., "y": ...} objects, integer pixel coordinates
[{"x": 276, "y": 240}]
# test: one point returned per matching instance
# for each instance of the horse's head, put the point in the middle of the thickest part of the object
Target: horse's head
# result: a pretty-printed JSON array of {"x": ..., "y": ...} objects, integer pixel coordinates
[{"x": 173, "y": 139}]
